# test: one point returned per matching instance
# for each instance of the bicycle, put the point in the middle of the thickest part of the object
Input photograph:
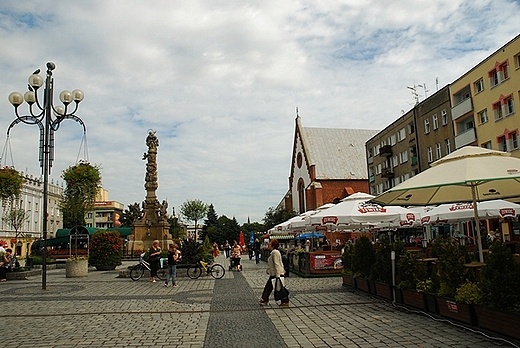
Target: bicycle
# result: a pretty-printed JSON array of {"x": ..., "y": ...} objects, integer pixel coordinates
[
  {"x": 215, "y": 270},
  {"x": 137, "y": 271}
]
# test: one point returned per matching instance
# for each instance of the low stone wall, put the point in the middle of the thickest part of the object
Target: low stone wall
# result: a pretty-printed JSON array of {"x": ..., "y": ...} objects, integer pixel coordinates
[{"x": 23, "y": 275}]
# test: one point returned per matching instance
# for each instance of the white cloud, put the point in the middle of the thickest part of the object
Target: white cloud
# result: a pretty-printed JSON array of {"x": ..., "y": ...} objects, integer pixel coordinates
[{"x": 220, "y": 81}]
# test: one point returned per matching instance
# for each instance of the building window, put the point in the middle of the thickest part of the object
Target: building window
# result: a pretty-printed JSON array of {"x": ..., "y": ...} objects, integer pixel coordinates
[
  {"x": 430, "y": 154},
  {"x": 479, "y": 85},
  {"x": 483, "y": 116},
  {"x": 403, "y": 157},
  {"x": 391, "y": 140},
  {"x": 426, "y": 126},
  {"x": 447, "y": 145},
  {"x": 394, "y": 161},
  {"x": 411, "y": 128},
  {"x": 517, "y": 60},
  {"x": 438, "y": 152},
  {"x": 497, "y": 110},
  {"x": 514, "y": 140},
  {"x": 444, "y": 117},
  {"x": 502, "y": 145},
  {"x": 378, "y": 169},
  {"x": 498, "y": 74},
  {"x": 401, "y": 135},
  {"x": 509, "y": 106},
  {"x": 435, "y": 122},
  {"x": 487, "y": 145}
]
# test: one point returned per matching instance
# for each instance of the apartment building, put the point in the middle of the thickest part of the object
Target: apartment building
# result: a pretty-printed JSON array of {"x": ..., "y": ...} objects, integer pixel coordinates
[
  {"x": 411, "y": 143},
  {"x": 485, "y": 101}
]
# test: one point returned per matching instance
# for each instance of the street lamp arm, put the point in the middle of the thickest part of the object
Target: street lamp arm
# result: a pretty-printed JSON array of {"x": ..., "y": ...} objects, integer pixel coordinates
[
  {"x": 55, "y": 125},
  {"x": 27, "y": 120}
]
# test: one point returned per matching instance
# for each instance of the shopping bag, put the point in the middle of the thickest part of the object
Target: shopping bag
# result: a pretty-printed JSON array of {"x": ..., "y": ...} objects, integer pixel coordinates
[{"x": 280, "y": 291}]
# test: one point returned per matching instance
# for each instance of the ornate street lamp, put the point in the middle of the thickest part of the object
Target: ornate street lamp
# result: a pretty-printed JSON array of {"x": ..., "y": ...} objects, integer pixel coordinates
[{"x": 47, "y": 117}]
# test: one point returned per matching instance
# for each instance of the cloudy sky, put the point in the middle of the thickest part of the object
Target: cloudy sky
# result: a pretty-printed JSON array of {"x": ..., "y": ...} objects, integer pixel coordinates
[{"x": 220, "y": 80}]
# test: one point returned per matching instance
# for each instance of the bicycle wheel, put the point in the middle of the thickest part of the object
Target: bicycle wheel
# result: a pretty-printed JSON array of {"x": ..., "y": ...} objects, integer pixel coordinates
[
  {"x": 194, "y": 272},
  {"x": 217, "y": 271},
  {"x": 137, "y": 272},
  {"x": 162, "y": 272}
]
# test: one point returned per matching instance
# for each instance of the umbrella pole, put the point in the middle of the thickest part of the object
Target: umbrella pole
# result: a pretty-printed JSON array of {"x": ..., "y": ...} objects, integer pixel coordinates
[{"x": 477, "y": 223}]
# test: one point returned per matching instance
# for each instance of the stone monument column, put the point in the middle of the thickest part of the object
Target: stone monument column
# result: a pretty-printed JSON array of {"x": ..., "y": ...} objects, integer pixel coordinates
[{"x": 153, "y": 224}]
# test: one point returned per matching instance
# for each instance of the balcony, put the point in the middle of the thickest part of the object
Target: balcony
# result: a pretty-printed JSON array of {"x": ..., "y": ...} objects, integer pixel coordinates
[
  {"x": 461, "y": 109},
  {"x": 370, "y": 160},
  {"x": 387, "y": 173},
  {"x": 467, "y": 137},
  {"x": 414, "y": 160},
  {"x": 385, "y": 151},
  {"x": 372, "y": 178}
]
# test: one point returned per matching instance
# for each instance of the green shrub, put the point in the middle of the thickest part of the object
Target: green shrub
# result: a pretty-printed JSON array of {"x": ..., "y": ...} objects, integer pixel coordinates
[
  {"x": 468, "y": 293},
  {"x": 500, "y": 279},
  {"x": 106, "y": 249},
  {"x": 451, "y": 269},
  {"x": 363, "y": 257},
  {"x": 346, "y": 258},
  {"x": 411, "y": 271}
]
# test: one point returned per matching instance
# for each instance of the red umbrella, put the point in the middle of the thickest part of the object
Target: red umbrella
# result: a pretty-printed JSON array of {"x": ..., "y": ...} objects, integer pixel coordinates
[
  {"x": 3, "y": 243},
  {"x": 241, "y": 239}
]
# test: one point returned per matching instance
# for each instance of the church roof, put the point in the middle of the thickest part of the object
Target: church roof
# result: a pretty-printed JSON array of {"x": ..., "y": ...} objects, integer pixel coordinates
[{"x": 337, "y": 153}]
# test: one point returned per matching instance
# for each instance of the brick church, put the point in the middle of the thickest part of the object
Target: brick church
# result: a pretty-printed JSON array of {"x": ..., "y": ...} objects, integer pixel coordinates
[{"x": 327, "y": 164}]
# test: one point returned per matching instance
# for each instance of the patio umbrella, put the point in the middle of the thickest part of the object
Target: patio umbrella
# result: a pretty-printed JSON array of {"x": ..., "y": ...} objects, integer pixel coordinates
[
  {"x": 470, "y": 174},
  {"x": 300, "y": 223},
  {"x": 456, "y": 212},
  {"x": 356, "y": 211}
]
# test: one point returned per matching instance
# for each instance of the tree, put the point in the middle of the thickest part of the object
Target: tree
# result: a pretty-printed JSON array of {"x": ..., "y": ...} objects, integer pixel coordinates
[
  {"x": 11, "y": 183},
  {"x": 211, "y": 221},
  {"x": 176, "y": 229},
  {"x": 194, "y": 211},
  {"x": 130, "y": 215},
  {"x": 275, "y": 216},
  {"x": 15, "y": 217},
  {"x": 83, "y": 180}
]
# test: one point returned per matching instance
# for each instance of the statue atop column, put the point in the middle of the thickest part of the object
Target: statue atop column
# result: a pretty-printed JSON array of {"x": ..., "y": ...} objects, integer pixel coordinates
[{"x": 154, "y": 222}]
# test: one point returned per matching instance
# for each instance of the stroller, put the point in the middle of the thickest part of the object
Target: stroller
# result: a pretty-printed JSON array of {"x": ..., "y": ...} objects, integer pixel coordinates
[{"x": 235, "y": 264}]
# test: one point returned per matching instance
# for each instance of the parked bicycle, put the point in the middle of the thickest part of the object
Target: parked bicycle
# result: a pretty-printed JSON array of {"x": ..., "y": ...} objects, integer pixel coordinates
[
  {"x": 215, "y": 270},
  {"x": 137, "y": 271}
]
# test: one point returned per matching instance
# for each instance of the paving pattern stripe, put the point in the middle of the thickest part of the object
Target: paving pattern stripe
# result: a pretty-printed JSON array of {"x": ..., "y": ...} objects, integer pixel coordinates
[{"x": 261, "y": 332}]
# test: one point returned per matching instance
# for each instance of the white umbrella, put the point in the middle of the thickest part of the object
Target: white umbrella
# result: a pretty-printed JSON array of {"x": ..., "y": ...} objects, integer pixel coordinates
[
  {"x": 300, "y": 224},
  {"x": 455, "y": 212},
  {"x": 356, "y": 211},
  {"x": 470, "y": 174}
]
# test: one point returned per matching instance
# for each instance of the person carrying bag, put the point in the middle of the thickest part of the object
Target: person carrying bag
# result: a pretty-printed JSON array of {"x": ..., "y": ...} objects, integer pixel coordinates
[{"x": 276, "y": 272}]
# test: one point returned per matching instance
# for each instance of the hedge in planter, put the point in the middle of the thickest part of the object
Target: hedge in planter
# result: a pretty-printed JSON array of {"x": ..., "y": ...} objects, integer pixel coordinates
[
  {"x": 500, "y": 279},
  {"x": 106, "y": 249}
]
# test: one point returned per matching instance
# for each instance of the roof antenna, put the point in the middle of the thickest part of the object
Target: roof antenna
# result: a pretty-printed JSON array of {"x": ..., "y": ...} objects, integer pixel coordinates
[
  {"x": 297, "y": 112},
  {"x": 414, "y": 93}
]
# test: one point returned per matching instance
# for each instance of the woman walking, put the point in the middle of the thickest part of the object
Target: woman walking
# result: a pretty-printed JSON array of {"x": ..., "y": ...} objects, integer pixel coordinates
[{"x": 275, "y": 270}]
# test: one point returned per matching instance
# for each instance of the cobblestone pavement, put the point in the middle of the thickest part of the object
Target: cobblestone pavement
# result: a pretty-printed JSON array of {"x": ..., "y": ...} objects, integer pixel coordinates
[{"x": 103, "y": 310}]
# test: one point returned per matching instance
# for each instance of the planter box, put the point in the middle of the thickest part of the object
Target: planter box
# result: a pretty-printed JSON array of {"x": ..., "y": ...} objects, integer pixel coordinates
[
  {"x": 362, "y": 284},
  {"x": 505, "y": 323},
  {"x": 76, "y": 268},
  {"x": 348, "y": 280},
  {"x": 430, "y": 300},
  {"x": 413, "y": 298},
  {"x": 372, "y": 287},
  {"x": 398, "y": 295},
  {"x": 383, "y": 290},
  {"x": 462, "y": 312}
]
